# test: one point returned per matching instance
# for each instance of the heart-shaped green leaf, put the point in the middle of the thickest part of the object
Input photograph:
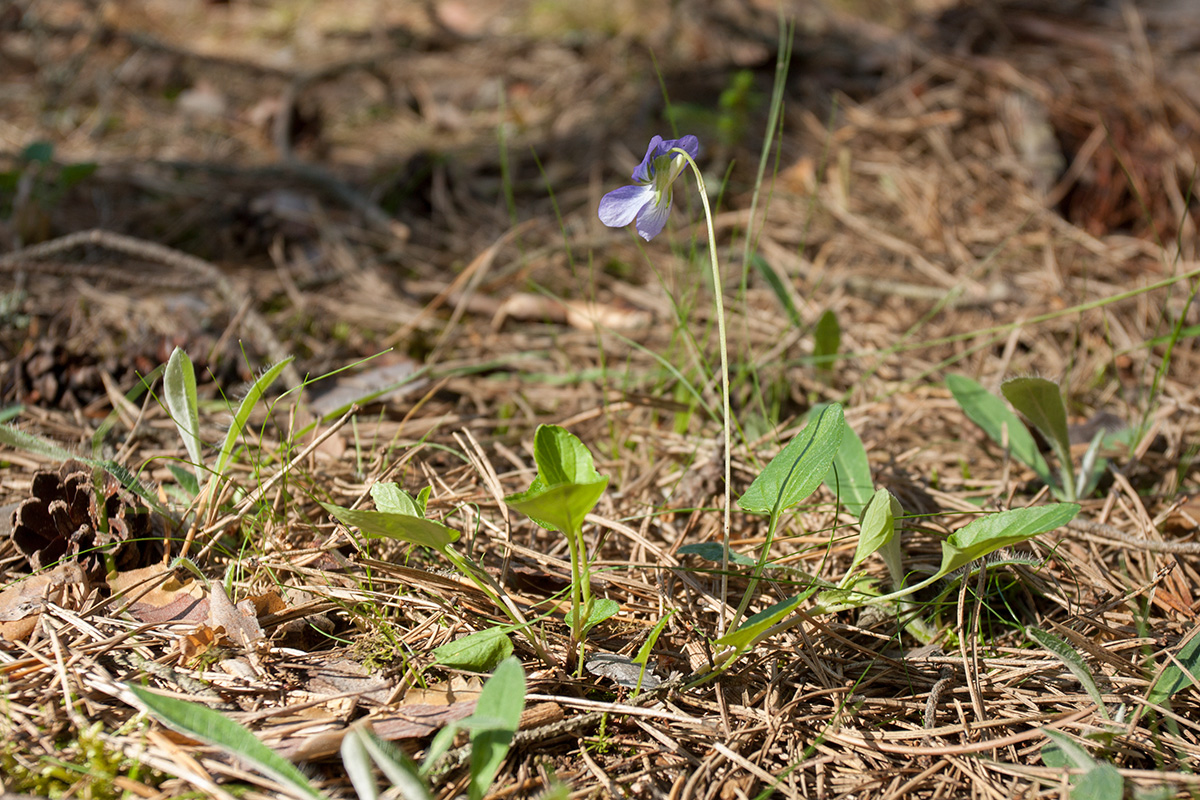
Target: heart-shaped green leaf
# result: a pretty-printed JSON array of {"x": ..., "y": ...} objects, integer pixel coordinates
[
  {"x": 567, "y": 486},
  {"x": 391, "y": 498},
  {"x": 799, "y": 468},
  {"x": 993, "y": 531}
]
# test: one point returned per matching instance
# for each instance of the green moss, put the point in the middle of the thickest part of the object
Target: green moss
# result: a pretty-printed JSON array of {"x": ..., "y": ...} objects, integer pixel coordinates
[{"x": 86, "y": 767}]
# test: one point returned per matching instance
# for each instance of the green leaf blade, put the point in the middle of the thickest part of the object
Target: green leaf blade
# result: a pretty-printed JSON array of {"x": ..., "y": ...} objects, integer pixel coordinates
[
  {"x": 991, "y": 532},
  {"x": 476, "y": 652},
  {"x": 1074, "y": 662},
  {"x": 849, "y": 478},
  {"x": 179, "y": 392},
  {"x": 560, "y": 507},
  {"x": 999, "y": 423},
  {"x": 242, "y": 415},
  {"x": 799, "y": 468},
  {"x": 502, "y": 699},
  {"x": 388, "y": 525},
  {"x": 1042, "y": 404},
  {"x": 827, "y": 339},
  {"x": 1174, "y": 679},
  {"x": 213, "y": 727}
]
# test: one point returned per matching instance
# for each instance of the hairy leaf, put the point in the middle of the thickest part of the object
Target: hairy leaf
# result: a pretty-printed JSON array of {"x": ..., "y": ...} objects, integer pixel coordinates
[{"x": 993, "y": 531}]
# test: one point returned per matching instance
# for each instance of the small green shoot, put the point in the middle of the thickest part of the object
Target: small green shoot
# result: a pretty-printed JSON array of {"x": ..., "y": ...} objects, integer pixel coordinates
[
  {"x": 179, "y": 392},
  {"x": 643, "y": 653},
  {"x": 979, "y": 538},
  {"x": 492, "y": 727},
  {"x": 827, "y": 340},
  {"x": 877, "y": 534},
  {"x": 1000, "y": 424},
  {"x": 566, "y": 489},
  {"x": 1042, "y": 404},
  {"x": 1178, "y": 675}
]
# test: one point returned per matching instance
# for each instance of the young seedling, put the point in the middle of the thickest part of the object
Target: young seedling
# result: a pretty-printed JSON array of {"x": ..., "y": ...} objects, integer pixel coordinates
[
  {"x": 179, "y": 394},
  {"x": 566, "y": 489},
  {"x": 401, "y": 517}
]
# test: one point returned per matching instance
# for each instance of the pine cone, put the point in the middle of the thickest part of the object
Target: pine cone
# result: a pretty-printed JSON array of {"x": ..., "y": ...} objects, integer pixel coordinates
[{"x": 64, "y": 518}]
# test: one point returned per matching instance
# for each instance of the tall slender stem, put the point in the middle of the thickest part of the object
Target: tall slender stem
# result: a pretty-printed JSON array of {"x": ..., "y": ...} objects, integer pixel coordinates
[{"x": 718, "y": 291}]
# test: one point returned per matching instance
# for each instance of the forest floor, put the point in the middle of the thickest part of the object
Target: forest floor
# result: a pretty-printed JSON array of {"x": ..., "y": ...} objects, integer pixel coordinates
[{"x": 402, "y": 198}]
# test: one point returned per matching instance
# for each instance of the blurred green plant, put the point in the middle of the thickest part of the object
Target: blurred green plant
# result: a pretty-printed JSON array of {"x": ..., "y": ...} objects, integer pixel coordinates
[{"x": 35, "y": 186}]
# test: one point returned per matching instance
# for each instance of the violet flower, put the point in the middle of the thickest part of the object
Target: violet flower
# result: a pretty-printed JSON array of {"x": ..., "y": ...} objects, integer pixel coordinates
[{"x": 648, "y": 199}]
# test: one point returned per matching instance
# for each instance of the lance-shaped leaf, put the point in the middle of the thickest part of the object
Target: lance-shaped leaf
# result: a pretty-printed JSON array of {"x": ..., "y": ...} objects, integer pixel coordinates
[
  {"x": 567, "y": 486},
  {"x": 1041, "y": 402},
  {"x": 213, "y": 727},
  {"x": 361, "y": 746},
  {"x": 1073, "y": 661},
  {"x": 877, "y": 533},
  {"x": 179, "y": 391},
  {"x": 390, "y": 525},
  {"x": 1178, "y": 674},
  {"x": 993, "y": 531},
  {"x": 242, "y": 415},
  {"x": 799, "y": 468},
  {"x": 1000, "y": 424},
  {"x": 500, "y": 703},
  {"x": 756, "y": 626},
  {"x": 827, "y": 338}
]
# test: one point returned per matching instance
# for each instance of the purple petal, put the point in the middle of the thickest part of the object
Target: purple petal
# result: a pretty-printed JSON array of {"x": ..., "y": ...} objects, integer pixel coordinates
[
  {"x": 643, "y": 173},
  {"x": 688, "y": 144},
  {"x": 619, "y": 207},
  {"x": 654, "y": 218}
]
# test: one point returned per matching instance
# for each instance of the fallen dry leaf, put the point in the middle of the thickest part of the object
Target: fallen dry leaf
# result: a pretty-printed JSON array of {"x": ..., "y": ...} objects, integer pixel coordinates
[
  {"x": 169, "y": 601},
  {"x": 21, "y": 605},
  {"x": 239, "y": 622}
]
